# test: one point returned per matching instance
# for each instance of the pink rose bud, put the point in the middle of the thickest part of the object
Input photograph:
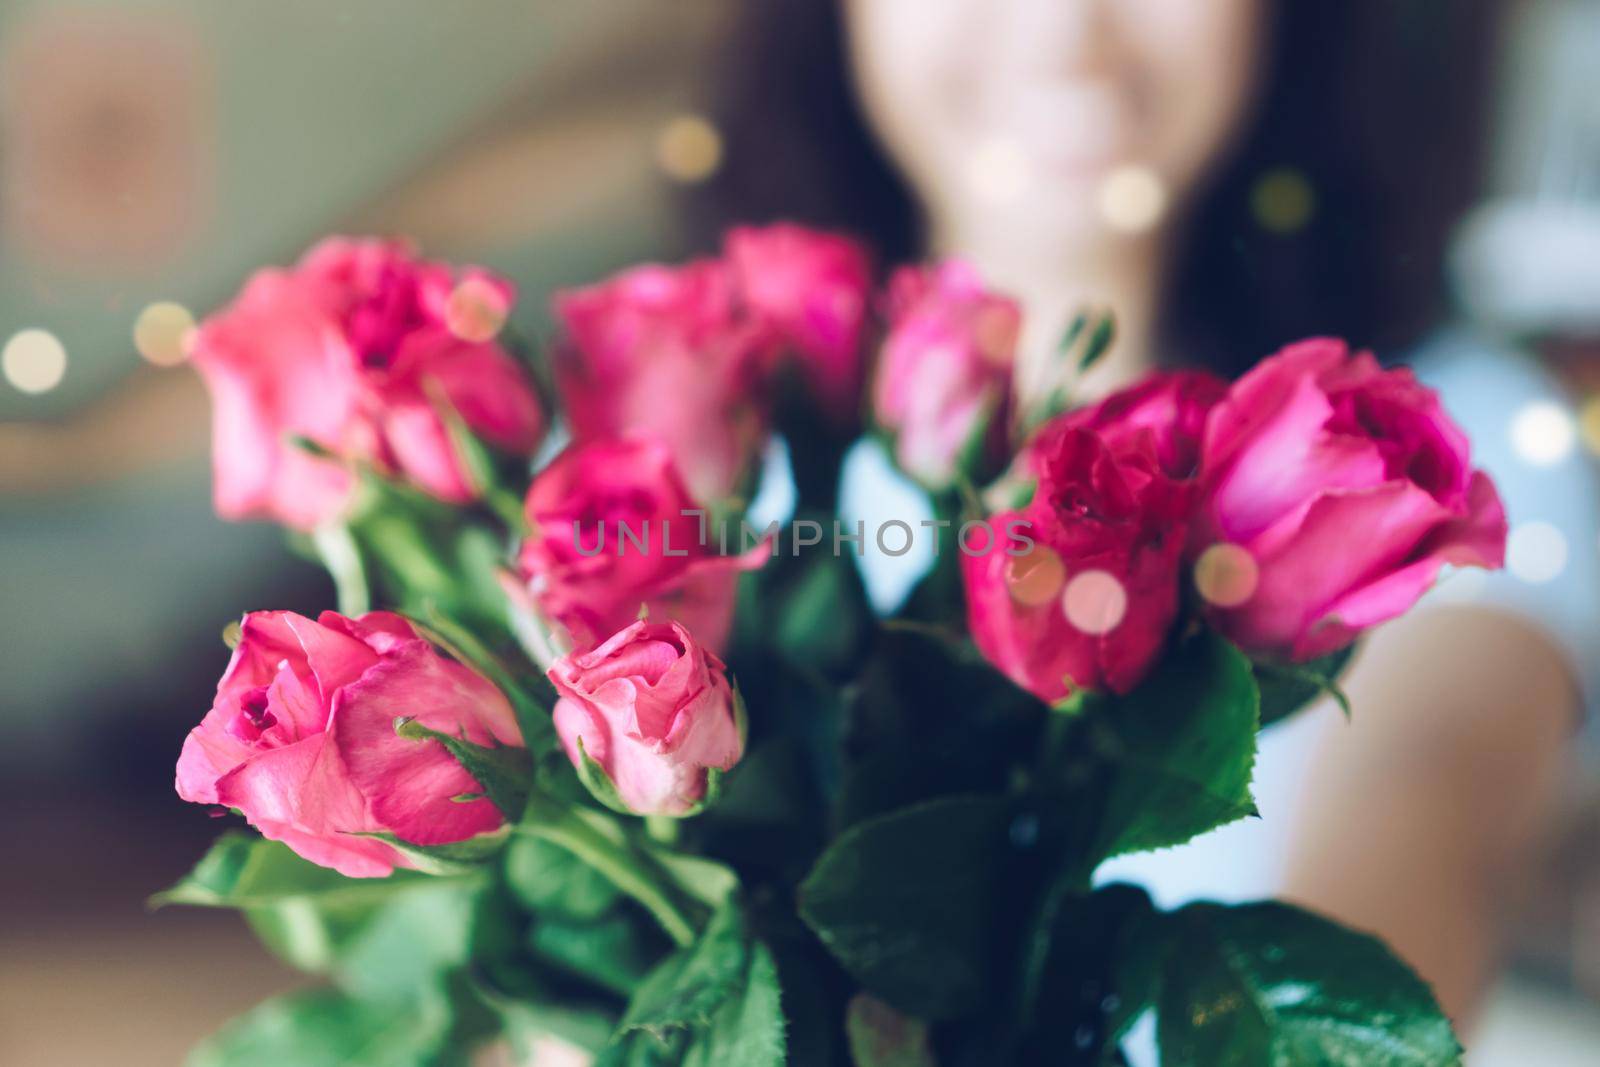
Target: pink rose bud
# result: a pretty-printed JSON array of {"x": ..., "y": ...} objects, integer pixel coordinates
[
  {"x": 301, "y": 739},
  {"x": 815, "y": 288},
  {"x": 1081, "y": 586},
  {"x": 369, "y": 353},
  {"x": 1342, "y": 489},
  {"x": 674, "y": 352},
  {"x": 1164, "y": 415},
  {"x": 944, "y": 376},
  {"x": 654, "y": 712},
  {"x": 614, "y": 532}
]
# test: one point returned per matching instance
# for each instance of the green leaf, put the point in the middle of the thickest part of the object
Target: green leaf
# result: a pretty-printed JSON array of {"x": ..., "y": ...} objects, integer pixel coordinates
[
  {"x": 615, "y": 952},
  {"x": 504, "y": 772},
  {"x": 1179, "y": 748},
  {"x": 711, "y": 1003},
  {"x": 456, "y": 857},
  {"x": 1288, "y": 687},
  {"x": 598, "y": 782},
  {"x": 1098, "y": 342},
  {"x": 1268, "y": 983},
  {"x": 882, "y": 1037},
  {"x": 906, "y": 902},
  {"x": 325, "y": 1028},
  {"x": 549, "y": 880}
]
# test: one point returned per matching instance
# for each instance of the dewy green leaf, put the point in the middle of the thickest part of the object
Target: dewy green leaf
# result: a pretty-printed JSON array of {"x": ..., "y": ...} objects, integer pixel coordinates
[
  {"x": 1269, "y": 983},
  {"x": 1179, "y": 749},
  {"x": 1288, "y": 687},
  {"x": 504, "y": 772},
  {"x": 906, "y": 902}
]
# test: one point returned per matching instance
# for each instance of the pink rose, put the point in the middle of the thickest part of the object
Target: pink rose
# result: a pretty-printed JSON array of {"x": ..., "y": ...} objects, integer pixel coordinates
[
  {"x": 944, "y": 376},
  {"x": 675, "y": 352},
  {"x": 1164, "y": 414},
  {"x": 1088, "y": 604},
  {"x": 654, "y": 710},
  {"x": 366, "y": 350},
  {"x": 1349, "y": 487},
  {"x": 301, "y": 739},
  {"x": 815, "y": 288},
  {"x": 610, "y": 537}
]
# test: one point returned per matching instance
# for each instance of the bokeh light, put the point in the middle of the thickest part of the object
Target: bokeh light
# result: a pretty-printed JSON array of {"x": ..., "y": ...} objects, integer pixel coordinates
[
  {"x": 1283, "y": 201},
  {"x": 476, "y": 310},
  {"x": 1543, "y": 433},
  {"x": 1132, "y": 199},
  {"x": 161, "y": 333},
  {"x": 1035, "y": 578},
  {"x": 689, "y": 149},
  {"x": 1095, "y": 602},
  {"x": 998, "y": 172},
  {"x": 1536, "y": 552},
  {"x": 1226, "y": 575},
  {"x": 34, "y": 361}
]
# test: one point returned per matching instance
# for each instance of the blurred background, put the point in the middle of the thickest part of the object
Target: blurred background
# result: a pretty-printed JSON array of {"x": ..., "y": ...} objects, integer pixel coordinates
[{"x": 154, "y": 152}]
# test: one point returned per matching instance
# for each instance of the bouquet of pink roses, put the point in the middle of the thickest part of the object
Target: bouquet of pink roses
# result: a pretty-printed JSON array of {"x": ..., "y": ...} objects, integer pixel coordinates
[{"x": 588, "y": 766}]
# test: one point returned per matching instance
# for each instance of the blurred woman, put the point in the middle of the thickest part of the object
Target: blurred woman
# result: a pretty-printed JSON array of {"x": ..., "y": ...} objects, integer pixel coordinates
[{"x": 1226, "y": 176}]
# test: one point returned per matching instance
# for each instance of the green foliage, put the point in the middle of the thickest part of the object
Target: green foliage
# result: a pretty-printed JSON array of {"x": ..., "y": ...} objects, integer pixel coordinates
[
  {"x": 1269, "y": 983},
  {"x": 503, "y": 771},
  {"x": 1178, "y": 750},
  {"x": 906, "y": 902},
  {"x": 326, "y": 1028},
  {"x": 711, "y": 1003},
  {"x": 1288, "y": 687}
]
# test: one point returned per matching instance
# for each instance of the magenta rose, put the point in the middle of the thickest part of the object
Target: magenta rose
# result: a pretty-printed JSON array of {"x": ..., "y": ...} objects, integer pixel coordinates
[
  {"x": 1349, "y": 487},
  {"x": 613, "y": 534},
  {"x": 1083, "y": 592},
  {"x": 301, "y": 739},
  {"x": 1164, "y": 415},
  {"x": 369, "y": 352},
  {"x": 674, "y": 352},
  {"x": 655, "y": 712},
  {"x": 943, "y": 380},
  {"x": 815, "y": 288}
]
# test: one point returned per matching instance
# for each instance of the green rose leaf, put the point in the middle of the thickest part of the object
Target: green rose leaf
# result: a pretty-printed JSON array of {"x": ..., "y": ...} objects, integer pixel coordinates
[
  {"x": 714, "y": 1002},
  {"x": 305, "y": 913},
  {"x": 1288, "y": 687},
  {"x": 325, "y": 1028},
  {"x": 548, "y": 880},
  {"x": 1269, "y": 983},
  {"x": 906, "y": 902},
  {"x": 1179, "y": 749}
]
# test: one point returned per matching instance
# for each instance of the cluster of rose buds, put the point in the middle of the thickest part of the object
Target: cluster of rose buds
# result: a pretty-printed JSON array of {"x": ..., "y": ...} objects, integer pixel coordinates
[{"x": 1341, "y": 487}]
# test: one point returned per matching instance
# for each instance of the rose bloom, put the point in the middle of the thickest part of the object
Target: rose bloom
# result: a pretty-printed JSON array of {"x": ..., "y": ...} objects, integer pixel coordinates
[
  {"x": 586, "y": 575},
  {"x": 1350, "y": 488},
  {"x": 301, "y": 739},
  {"x": 365, "y": 350},
  {"x": 654, "y": 709},
  {"x": 815, "y": 288},
  {"x": 1164, "y": 413},
  {"x": 943, "y": 381},
  {"x": 1089, "y": 604},
  {"x": 674, "y": 352}
]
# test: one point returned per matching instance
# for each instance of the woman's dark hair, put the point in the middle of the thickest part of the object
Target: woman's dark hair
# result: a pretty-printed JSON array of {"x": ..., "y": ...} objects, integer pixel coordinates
[{"x": 1378, "y": 103}]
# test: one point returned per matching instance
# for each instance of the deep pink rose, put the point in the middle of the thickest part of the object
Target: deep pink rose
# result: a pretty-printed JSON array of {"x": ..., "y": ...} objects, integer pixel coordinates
[
  {"x": 587, "y": 574},
  {"x": 815, "y": 288},
  {"x": 1164, "y": 414},
  {"x": 364, "y": 349},
  {"x": 674, "y": 352},
  {"x": 944, "y": 376},
  {"x": 654, "y": 709},
  {"x": 301, "y": 739},
  {"x": 1350, "y": 488},
  {"x": 1089, "y": 604}
]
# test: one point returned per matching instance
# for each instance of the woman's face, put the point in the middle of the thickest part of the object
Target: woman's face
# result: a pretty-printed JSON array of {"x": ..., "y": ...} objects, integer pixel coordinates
[{"x": 1053, "y": 120}]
